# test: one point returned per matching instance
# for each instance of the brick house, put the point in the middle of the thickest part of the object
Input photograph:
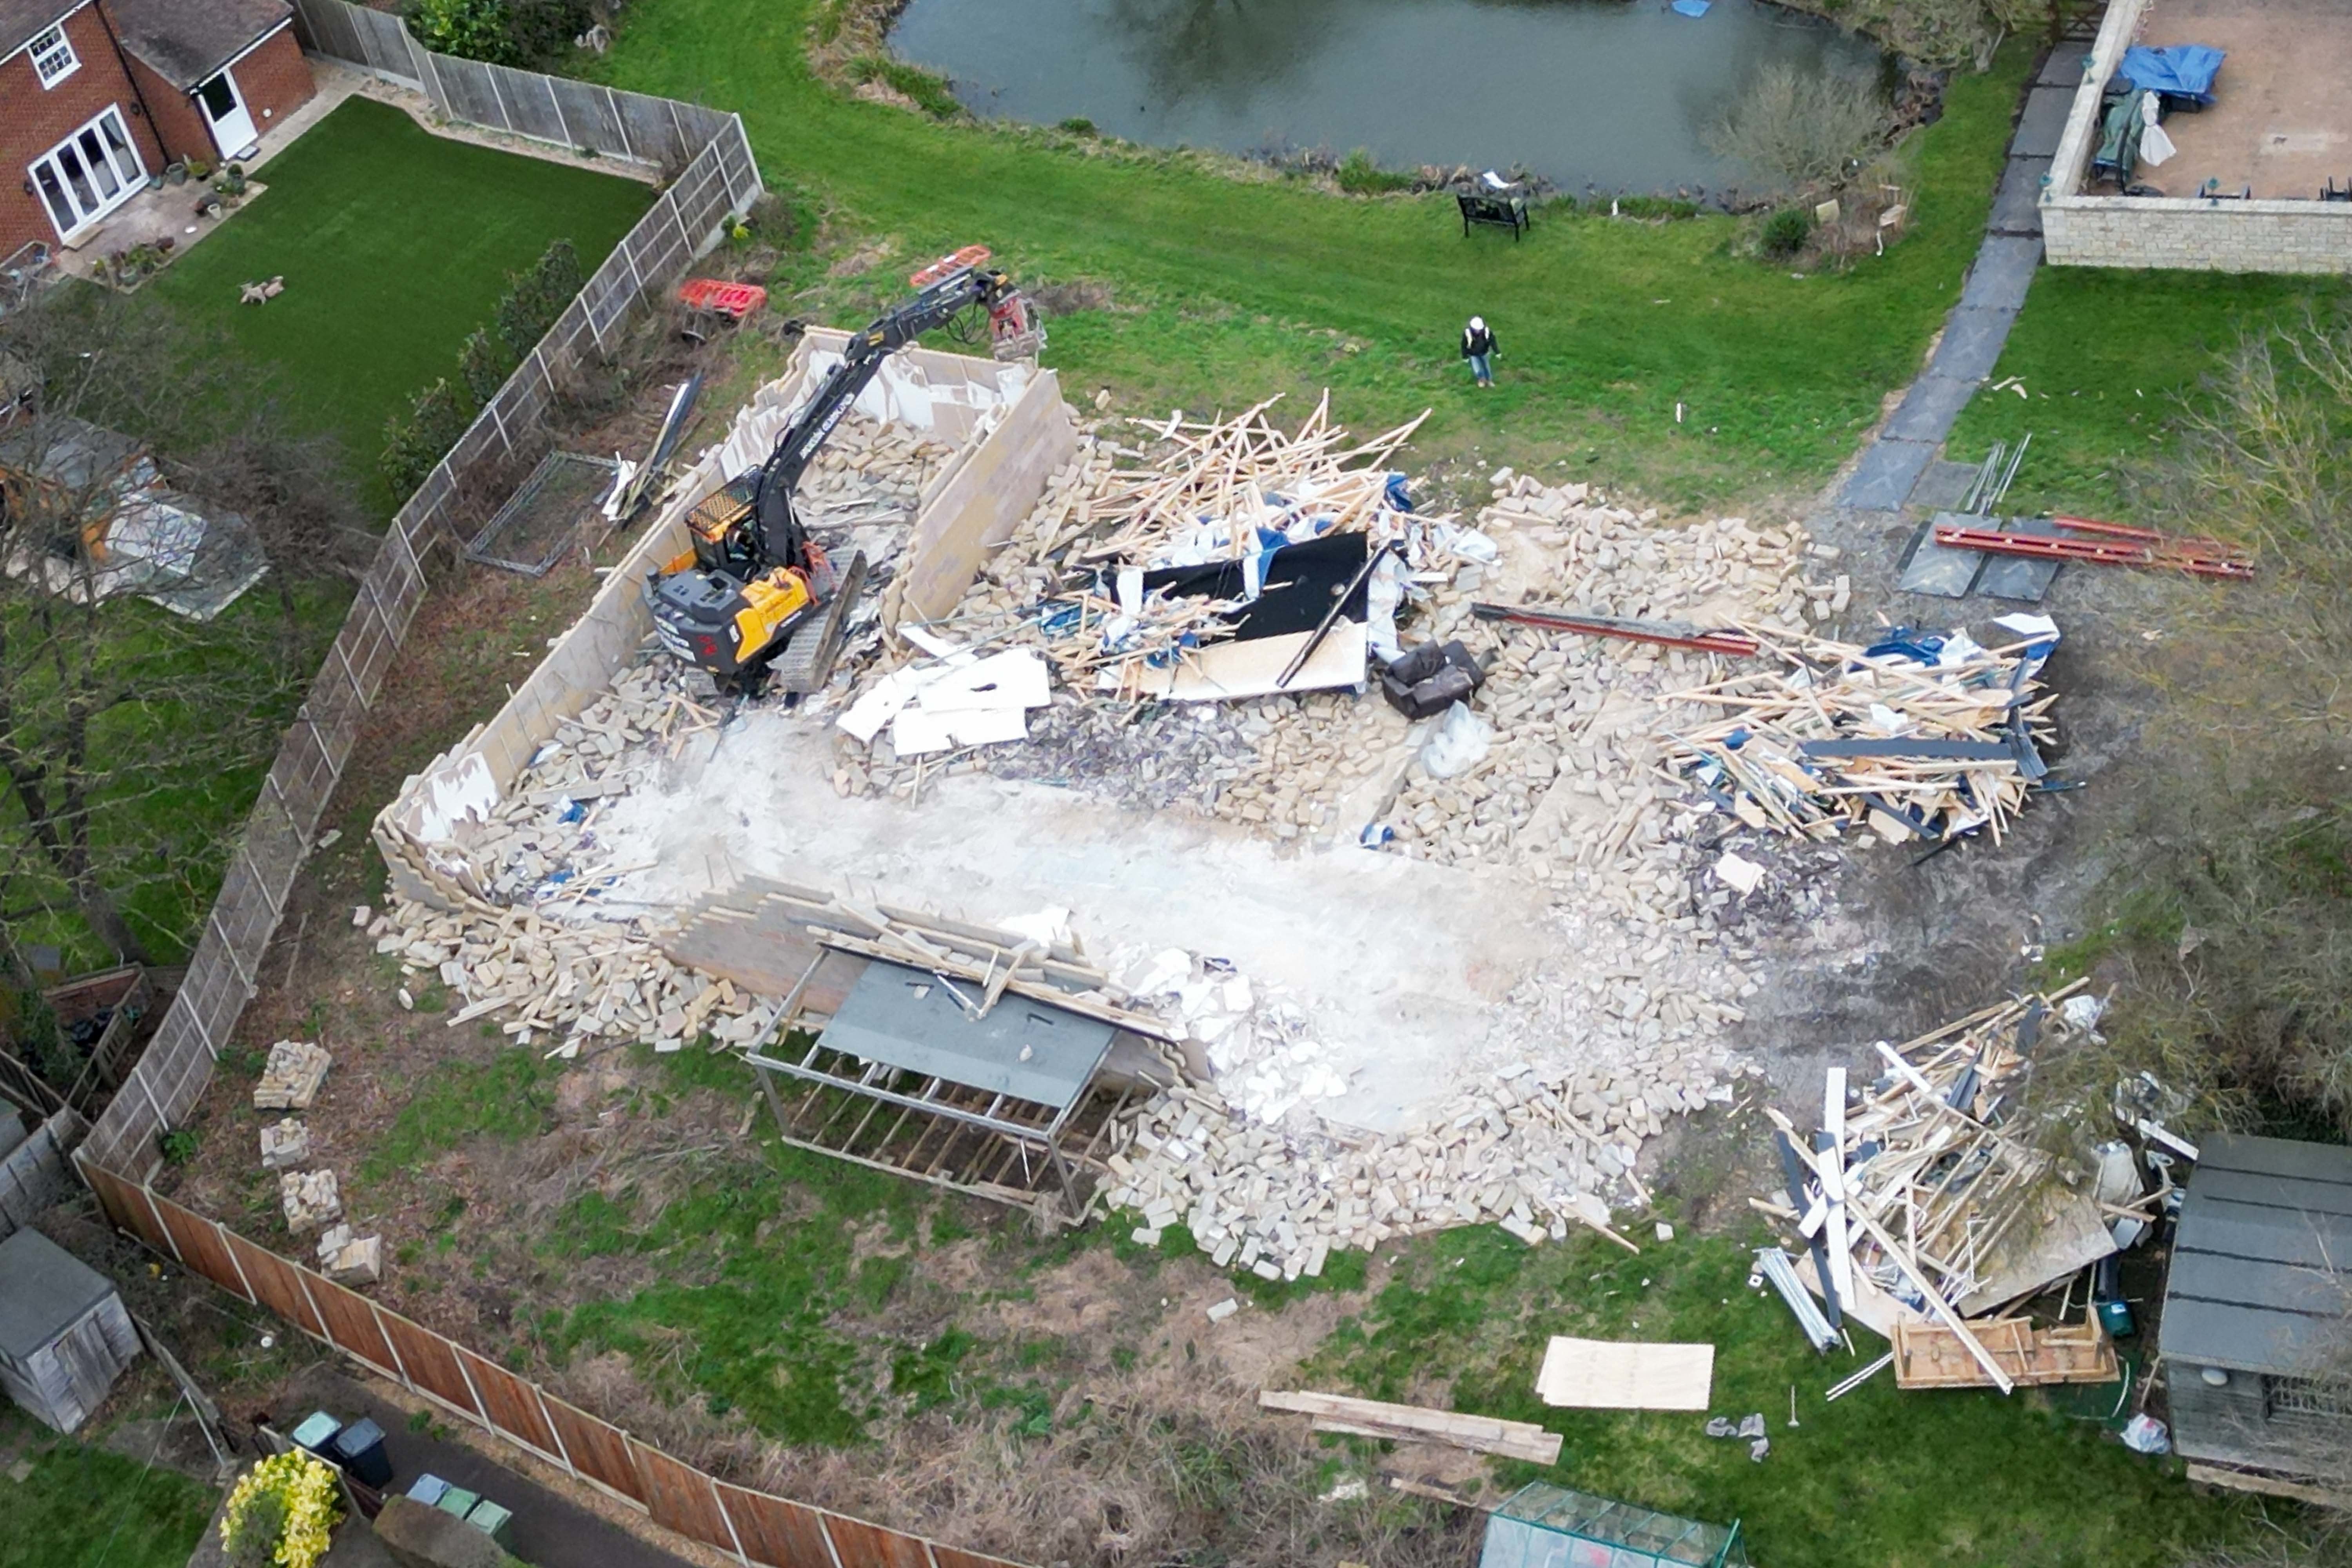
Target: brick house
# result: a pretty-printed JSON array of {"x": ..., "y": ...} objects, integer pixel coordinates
[{"x": 97, "y": 95}]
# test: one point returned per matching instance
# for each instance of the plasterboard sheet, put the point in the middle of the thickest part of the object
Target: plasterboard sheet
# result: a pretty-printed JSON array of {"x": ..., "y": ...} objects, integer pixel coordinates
[
  {"x": 1610, "y": 1375},
  {"x": 1224, "y": 671}
]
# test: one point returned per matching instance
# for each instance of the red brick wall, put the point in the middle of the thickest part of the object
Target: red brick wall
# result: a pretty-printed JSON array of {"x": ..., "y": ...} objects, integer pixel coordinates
[
  {"x": 34, "y": 118},
  {"x": 178, "y": 122},
  {"x": 274, "y": 80}
]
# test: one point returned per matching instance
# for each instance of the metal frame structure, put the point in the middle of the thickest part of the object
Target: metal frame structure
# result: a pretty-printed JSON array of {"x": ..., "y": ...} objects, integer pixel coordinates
[
  {"x": 483, "y": 547},
  {"x": 970, "y": 1138}
]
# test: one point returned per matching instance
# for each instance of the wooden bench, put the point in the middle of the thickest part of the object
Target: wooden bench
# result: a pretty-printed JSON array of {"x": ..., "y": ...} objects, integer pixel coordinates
[{"x": 1498, "y": 211}]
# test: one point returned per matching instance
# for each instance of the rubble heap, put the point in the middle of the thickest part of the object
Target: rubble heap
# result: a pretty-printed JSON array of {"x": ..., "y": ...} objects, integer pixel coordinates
[
  {"x": 869, "y": 473},
  {"x": 1549, "y": 1142}
]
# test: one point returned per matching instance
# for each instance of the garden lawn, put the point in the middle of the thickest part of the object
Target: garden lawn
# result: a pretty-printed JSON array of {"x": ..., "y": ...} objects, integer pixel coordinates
[
  {"x": 1228, "y": 288},
  {"x": 86, "y": 1508},
  {"x": 394, "y": 244},
  {"x": 2106, "y": 356}
]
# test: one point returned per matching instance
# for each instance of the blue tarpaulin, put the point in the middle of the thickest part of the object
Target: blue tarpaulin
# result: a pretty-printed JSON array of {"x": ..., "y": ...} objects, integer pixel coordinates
[
  {"x": 2177, "y": 70},
  {"x": 1693, "y": 7}
]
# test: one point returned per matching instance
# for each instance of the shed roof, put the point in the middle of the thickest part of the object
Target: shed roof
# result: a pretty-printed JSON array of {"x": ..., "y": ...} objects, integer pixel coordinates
[
  {"x": 43, "y": 1290},
  {"x": 1028, "y": 1049},
  {"x": 2259, "y": 1279},
  {"x": 186, "y": 42}
]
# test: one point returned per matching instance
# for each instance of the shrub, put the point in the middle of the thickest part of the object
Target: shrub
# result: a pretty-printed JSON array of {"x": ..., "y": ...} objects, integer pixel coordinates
[
  {"x": 535, "y": 298},
  {"x": 282, "y": 1513},
  {"x": 412, "y": 445},
  {"x": 502, "y": 32},
  {"x": 1359, "y": 176},
  {"x": 1802, "y": 129},
  {"x": 929, "y": 93},
  {"x": 178, "y": 1145},
  {"x": 1079, "y": 125},
  {"x": 1786, "y": 231},
  {"x": 484, "y": 365}
]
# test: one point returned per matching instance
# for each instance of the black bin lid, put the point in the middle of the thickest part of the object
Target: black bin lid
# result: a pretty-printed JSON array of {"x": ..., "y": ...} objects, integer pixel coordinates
[{"x": 357, "y": 1439}]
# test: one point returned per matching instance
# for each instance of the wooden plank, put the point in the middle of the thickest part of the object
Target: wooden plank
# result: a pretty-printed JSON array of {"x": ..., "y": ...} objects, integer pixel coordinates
[
  {"x": 2268, "y": 1486},
  {"x": 1936, "y": 1302},
  {"x": 1610, "y": 1375},
  {"x": 1375, "y": 1418}
]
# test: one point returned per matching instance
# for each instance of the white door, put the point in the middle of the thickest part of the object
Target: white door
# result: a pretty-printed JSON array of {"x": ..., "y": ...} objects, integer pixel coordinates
[
  {"x": 224, "y": 111},
  {"x": 89, "y": 174}
]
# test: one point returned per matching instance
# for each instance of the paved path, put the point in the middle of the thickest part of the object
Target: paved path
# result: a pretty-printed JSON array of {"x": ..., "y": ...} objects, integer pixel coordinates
[
  {"x": 1995, "y": 292},
  {"x": 548, "y": 1530}
]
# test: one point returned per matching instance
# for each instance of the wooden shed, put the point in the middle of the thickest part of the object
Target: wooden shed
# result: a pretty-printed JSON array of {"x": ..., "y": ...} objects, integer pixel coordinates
[
  {"x": 65, "y": 1335},
  {"x": 2257, "y": 1331}
]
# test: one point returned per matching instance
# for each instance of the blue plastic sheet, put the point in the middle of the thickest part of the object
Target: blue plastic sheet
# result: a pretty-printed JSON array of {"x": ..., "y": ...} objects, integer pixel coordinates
[
  {"x": 2177, "y": 70},
  {"x": 1693, "y": 7}
]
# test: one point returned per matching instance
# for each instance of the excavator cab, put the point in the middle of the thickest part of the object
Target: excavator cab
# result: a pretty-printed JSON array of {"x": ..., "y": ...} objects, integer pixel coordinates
[{"x": 755, "y": 593}]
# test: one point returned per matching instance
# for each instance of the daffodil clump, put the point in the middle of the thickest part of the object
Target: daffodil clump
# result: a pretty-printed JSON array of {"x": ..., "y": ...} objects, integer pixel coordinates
[{"x": 290, "y": 1496}]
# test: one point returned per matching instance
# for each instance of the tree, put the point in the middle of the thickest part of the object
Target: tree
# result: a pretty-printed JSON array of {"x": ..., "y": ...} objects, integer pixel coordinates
[
  {"x": 120, "y": 720},
  {"x": 1802, "y": 128}
]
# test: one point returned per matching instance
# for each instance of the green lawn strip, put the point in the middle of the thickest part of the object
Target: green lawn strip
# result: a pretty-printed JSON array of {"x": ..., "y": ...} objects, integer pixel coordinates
[
  {"x": 1882, "y": 1478},
  {"x": 394, "y": 245},
  {"x": 2106, "y": 357},
  {"x": 86, "y": 1508},
  {"x": 508, "y": 1097},
  {"x": 1605, "y": 325}
]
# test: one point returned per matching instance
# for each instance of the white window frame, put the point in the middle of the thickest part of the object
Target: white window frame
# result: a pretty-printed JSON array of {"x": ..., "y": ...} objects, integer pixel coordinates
[{"x": 44, "y": 54}]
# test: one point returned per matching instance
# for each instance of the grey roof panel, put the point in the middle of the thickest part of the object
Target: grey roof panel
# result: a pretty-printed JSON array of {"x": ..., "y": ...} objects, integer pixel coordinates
[
  {"x": 907, "y": 1019},
  {"x": 2274, "y": 1157},
  {"x": 186, "y": 42},
  {"x": 2208, "y": 1277},
  {"x": 2255, "y": 1232},
  {"x": 21, "y": 19},
  {"x": 2274, "y": 1191},
  {"x": 43, "y": 1290},
  {"x": 2248, "y": 1339}
]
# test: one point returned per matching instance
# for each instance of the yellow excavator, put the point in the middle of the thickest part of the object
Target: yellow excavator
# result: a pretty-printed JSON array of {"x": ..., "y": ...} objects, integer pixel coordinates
[{"x": 756, "y": 596}]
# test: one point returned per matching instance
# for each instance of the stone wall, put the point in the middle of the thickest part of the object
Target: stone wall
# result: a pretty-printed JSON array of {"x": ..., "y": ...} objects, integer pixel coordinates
[{"x": 2081, "y": 230}]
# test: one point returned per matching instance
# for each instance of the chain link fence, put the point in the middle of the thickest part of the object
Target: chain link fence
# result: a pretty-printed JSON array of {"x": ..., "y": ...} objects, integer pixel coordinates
[{"x": 716, "y": 178}]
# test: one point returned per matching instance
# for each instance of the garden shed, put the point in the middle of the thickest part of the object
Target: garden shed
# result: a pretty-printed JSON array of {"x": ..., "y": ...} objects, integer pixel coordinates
[
  {"x": 2256, "y": 1337},
  {"x": 65, "y": 1335},
  {"x": 1545, "y": 1526}
]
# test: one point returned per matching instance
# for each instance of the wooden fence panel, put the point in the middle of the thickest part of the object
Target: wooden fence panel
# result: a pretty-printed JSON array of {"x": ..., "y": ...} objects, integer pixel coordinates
[
  {"x": 509, "y": 1403},
  {"x": 862, "y": 1545},
  {"x": 200, "y": 1246},
  {"x": 278, "y": 1284},
  {"x": 681, "y": 1498},
  {"x": 353, "y": 1323},
  {"x": 431, "y": 1365},
  {"x": 956, "y": 1557},
  {"x": 776, "y": 1531},
  {"x": 599, "y": 1450}
]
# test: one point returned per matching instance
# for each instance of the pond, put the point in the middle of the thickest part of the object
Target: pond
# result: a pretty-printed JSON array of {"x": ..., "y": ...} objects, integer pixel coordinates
[{"x": 1617, "y": 95}]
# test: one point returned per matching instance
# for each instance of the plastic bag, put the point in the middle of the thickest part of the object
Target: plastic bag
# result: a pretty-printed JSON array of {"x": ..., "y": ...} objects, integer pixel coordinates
[{"x": 1458, "y": 743}]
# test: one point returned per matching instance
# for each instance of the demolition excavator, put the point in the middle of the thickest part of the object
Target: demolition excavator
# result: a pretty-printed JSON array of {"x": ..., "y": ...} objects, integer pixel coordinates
[{"x": 756, "y": 599}]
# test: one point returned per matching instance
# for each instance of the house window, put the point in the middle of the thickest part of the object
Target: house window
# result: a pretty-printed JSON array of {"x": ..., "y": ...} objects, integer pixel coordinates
[{"x": 53, "y": 56}]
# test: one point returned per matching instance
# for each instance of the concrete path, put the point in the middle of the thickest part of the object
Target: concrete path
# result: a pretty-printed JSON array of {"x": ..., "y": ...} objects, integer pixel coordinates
[{"x": 1995, "y": 291}]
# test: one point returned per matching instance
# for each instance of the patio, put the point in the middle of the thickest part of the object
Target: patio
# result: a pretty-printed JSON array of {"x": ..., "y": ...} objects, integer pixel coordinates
[{"x": 2281, "y": 121}]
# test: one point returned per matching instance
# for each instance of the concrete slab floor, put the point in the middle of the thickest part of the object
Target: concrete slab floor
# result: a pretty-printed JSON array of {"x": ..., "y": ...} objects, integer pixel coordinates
[
  {"x": 1404, "y": 965},
  {"x": 2282, "y": 118}
]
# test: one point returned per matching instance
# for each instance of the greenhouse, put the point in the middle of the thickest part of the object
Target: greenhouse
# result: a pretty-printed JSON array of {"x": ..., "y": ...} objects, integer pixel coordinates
[{"x": 1544, "y": 1526}]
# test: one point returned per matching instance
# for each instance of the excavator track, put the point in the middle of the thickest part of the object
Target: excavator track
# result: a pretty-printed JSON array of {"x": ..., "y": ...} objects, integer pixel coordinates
[{"x": 808, "y": 659}]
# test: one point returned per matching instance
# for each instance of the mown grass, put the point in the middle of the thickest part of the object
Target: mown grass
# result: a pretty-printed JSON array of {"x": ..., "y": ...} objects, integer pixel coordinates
[
  {"x": 1229, "y": 288},
  {"x": 2106, "y": 357},
  {"x": 86, "y": 1508},
  {"x": 394, "y": 245},
  {"x": 1882, "y": 1478}
]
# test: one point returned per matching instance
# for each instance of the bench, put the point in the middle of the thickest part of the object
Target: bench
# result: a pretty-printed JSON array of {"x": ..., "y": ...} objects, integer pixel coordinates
[{"x": 1498, "y": 211}]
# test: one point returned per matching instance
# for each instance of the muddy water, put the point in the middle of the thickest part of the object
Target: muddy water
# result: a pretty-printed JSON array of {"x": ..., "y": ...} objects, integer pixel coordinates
[{"x": 1613, "y": 94}]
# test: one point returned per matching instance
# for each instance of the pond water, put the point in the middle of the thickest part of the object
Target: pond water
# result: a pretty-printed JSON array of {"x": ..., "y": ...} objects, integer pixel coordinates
[{"x": 1614, "y": 94}]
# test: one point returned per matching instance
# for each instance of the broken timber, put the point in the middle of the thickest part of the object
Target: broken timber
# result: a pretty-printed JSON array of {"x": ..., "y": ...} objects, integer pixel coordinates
[
  {"x": 1927, "y": 1355},
  {"x": 1415, "y": 1424},
  {"x": 1665, "y": 634}
]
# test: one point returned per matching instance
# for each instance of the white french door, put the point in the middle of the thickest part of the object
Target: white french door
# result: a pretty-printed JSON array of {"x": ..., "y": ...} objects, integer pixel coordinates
[{"x": 89, "y": 174}]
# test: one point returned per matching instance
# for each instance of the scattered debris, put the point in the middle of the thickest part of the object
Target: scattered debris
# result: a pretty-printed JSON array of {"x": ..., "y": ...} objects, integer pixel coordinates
[
  {"x": 1844, "y": 1386},
  {"x": 1915, "y": 735},
  {"x": 1223, "y": 1310},
  {"x": 1774, "y": 1264},
  {"x": 1928, "y": 1356},
  {"x": 1414, "y": 1423},
  {"x": 2105, "y": 545},
  {"x": 2144, "y": 1434}
]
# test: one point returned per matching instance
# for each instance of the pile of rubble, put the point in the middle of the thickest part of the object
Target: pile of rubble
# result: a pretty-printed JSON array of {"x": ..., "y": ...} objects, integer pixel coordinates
[
  {"x": 291, "y": 1076},
  {"x": 869, "y": 474},
  {"x": 310, "y": 1200},
  {"x": 1243, "y": 1161}
]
